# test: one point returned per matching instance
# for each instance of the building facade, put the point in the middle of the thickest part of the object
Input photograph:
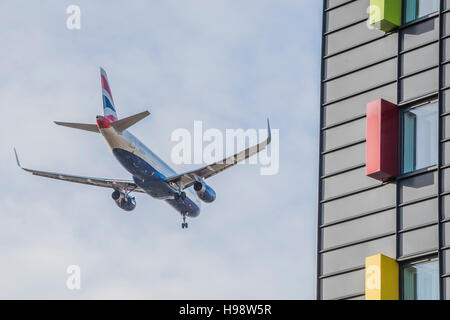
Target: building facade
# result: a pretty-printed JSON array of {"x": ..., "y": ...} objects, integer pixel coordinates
[{"x": 384, "y": 173}]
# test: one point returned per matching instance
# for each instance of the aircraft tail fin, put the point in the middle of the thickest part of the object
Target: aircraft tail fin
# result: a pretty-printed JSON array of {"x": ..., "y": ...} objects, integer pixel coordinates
[
  {"x": 109, "y": 111},
  {"x": 109, "y": 108}
]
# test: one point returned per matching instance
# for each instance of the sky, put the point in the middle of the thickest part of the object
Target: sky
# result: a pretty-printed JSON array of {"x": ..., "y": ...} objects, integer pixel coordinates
[{"x": 230, "y": 64}]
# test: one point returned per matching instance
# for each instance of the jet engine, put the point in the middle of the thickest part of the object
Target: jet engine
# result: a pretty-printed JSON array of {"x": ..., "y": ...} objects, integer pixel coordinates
[
  {"x": 124, "y": 201},
  {"x": 204, "y": 192}
]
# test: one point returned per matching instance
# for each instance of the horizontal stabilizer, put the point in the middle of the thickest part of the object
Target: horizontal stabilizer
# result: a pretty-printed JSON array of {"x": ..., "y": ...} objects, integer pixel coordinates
[
  {"x": 123, "y": 124},
  {"x": 81, "y": 126}
]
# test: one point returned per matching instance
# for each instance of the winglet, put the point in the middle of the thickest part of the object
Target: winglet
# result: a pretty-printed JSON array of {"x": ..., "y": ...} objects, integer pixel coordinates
[
  {"x": 17, "y": 158},
  {"x": 269, "y": 133}
]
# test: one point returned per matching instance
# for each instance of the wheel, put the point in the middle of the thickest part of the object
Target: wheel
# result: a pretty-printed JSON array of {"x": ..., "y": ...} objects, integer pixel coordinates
[
  {"x": 182, "y": 226},
  {"x": 183, "y": 195},
  {"x": 176, "y": 196},
  {"x": 186, "y": 225}
]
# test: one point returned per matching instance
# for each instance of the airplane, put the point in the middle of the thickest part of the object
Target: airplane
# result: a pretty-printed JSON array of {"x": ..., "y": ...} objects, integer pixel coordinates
[{"x": 150, "y": 174}]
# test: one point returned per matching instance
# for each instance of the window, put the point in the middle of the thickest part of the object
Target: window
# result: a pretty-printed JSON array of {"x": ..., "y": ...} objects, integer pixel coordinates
[
  {"x": 421, "y": 281},
  {"x": 415, "y": 9},
  {"x": 420, "y": 137}
]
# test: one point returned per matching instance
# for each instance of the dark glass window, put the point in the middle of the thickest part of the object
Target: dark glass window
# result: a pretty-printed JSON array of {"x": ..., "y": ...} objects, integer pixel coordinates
[
  {"x": 415, "y": 9},
  {"x": 420, "y": 137},
  {"x": 421, "y": 281}
]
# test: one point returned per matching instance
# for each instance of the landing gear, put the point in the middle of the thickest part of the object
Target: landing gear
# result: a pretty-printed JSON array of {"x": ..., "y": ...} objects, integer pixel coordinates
[
  {"x": 181, "y": 195},
  {"x": 184, "y": 224}
]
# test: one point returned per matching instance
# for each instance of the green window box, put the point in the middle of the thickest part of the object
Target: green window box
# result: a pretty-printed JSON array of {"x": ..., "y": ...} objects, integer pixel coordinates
[{"x": 385, "y": 15}]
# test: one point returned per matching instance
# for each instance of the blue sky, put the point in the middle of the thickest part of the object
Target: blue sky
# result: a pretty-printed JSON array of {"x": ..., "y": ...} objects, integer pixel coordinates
[{"x": 230, "y": 64}]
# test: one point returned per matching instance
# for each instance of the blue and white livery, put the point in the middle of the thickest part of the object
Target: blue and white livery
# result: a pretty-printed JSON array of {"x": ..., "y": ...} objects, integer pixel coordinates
[{"x": 150, "y": 174}]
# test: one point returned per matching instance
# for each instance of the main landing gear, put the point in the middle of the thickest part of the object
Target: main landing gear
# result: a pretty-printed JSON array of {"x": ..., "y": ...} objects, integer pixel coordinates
[
  {"x": 181, "y": 195},
  {"x": 184, "y": 224}
]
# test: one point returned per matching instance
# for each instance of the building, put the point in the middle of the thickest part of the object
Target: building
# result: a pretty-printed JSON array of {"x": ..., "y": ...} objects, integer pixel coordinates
[{"x": 384, "y": 176}]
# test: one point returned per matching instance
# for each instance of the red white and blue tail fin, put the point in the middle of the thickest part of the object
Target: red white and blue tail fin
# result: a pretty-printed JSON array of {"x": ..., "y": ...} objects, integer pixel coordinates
[
  {"x": 109, "y": 109},
  {"x": 110, "y": 117}
]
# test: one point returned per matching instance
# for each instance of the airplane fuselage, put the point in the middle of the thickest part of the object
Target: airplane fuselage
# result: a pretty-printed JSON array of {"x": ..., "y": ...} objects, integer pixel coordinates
[{"x": 148, "y": 170}]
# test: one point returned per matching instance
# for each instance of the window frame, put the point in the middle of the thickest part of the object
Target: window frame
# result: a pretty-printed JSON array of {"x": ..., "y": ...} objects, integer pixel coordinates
[
  {"x": 411, "y": 263},
  {"x": 402, "y": 110},
  {"x": 417, "y": 19}
]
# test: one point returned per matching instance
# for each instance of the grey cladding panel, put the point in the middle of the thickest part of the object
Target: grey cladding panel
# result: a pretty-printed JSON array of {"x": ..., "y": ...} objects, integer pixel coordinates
[
  {"x": 446, "y": 153},
  {"x": 446, "y": 262},
  {"x": 345, "y": 15},
  {"x": 345, "y": 158},
  {"x": 414, "y": 61},
  {"x": 446, "y": 99},
  {"x": 446, "y": 126},
  {"x": 355, "y": 256},
  {"x": 347, "y": 182},
  {"x": 360, "y": 80},
  {"x": 349, "y": 37},
  {"x": 419, "y": 213},
  {"x": 418, "y": 187},
  {"x": 419, "y": 34},
  {"x": 418, "y": 241},
  {"x": 446, "y": 231},
  {"x": 358, "y": 229},
  {"x": 344, "y": 134},
  {"x": 334, "y": 3},
  {"x": 446, "y": 176},
  {"x": 446, "y": 206},
  {"x": 446, "y": 19},
  {"x": 446, "y": 49},
  {"x": 356, "y": 106},
  {"x": 446, "y": 288},
  {"x": 446, "y": 75},
  {"x": 361, "y": 56},
  {"x": 419, "y": 84},
  {"x": 359, "y": 203},
  {"x": 363, "y": 297},
  {"x": 343, "y": 285}
]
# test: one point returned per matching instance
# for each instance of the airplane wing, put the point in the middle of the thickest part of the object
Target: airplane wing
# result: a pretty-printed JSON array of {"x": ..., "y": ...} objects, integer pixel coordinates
[
  {"x": 116, "y": 184},
  {"x": 187, "y": 179}
]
